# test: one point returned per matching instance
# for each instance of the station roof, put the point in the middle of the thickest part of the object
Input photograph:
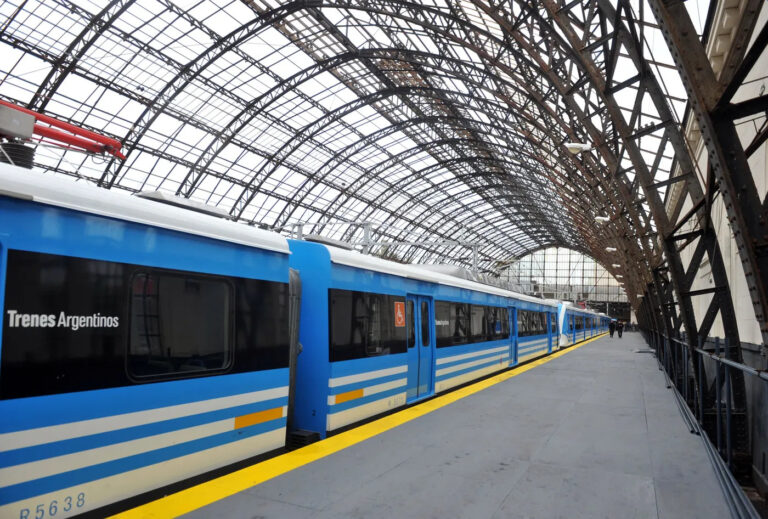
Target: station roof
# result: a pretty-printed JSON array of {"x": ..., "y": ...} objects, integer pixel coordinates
[{"x": 443, "y": 120}]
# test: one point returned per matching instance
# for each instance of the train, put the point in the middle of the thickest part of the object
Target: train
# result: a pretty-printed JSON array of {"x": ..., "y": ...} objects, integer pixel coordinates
[{"x": 144, "y": 344}]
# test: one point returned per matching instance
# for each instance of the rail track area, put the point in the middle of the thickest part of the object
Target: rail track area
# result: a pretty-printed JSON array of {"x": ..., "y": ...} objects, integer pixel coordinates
[{"x": 590, "y": 432}]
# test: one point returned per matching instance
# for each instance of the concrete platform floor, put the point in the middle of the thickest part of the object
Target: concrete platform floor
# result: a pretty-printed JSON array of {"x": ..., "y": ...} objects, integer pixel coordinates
[{"x": 592, "y": 434}]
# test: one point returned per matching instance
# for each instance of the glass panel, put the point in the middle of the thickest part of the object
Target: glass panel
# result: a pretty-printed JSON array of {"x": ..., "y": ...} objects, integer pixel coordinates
[
  {"x": 179, "y": 324},
  {"x": 478, "y": 324},
  {"x": 363, "y": 324},
  {"x": 411, "y": 324},
  {"x": 425, "y": 323},
  {"x": 451, "y": 323},
  {"x": 97, "y": 324}
]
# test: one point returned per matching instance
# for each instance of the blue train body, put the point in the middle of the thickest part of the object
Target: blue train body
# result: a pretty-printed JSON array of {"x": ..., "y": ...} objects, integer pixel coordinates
[
  {"x": 331, "y": 394},
  {"x": 144, "y": 344}
]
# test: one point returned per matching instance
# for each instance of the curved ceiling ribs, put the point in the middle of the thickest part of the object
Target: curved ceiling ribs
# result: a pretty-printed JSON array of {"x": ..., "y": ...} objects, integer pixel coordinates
[{"x": 433, "y": 120}]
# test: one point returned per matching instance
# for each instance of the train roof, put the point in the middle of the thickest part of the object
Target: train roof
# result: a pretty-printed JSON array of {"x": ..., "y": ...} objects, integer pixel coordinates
[
  {"x": 571, "y": 306},
  {"x": 48, "y": 189},
  {"x": 364, "y": 261}
]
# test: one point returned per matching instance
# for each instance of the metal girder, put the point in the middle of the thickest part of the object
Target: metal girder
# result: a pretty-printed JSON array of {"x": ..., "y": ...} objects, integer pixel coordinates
[
  {"x": 67, "y": 61},
  {"x": 725, "y": 152},
  {"x": 673, "y": 282},
  {"x": 184, "y": 77}
]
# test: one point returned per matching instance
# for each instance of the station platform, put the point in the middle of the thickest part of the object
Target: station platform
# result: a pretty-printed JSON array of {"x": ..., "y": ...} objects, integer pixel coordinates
[{"x": 591, "y": 432}]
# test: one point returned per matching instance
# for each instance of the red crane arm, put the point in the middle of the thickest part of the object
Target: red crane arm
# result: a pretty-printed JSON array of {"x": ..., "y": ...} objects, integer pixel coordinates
[{"x": 78, "y": 137}]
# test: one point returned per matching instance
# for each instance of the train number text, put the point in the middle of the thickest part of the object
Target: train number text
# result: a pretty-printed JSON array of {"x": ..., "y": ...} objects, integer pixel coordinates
[{"x": 43, "y": 510}]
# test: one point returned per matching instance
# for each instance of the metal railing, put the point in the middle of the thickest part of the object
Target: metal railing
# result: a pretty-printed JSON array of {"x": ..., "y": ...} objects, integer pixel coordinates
[{"x": 674, "y": 357}]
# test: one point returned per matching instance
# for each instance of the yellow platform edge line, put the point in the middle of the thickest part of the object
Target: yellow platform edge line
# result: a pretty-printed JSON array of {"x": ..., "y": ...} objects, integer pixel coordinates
[{"x": 217, "y": 489}]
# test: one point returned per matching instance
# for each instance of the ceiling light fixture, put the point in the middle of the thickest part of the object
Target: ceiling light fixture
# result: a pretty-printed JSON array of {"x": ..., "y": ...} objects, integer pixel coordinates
[{"x": 577, "y": 147}]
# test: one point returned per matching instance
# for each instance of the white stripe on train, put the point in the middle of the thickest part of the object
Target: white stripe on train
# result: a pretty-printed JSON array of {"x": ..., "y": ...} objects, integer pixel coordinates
[
  {"x": 42, "y": 435},
  {"x": 127, "y": 484},
  {"x": 465, "y": 365},
  {"x": 445, "y": 360},
  {"x": 86, "y": 458},
  {"x": 378, "y": 388},
  {"x": 368, "y": 375},
  {"x": 348, "y": 416},
  {"x": 467, "y": 377}
]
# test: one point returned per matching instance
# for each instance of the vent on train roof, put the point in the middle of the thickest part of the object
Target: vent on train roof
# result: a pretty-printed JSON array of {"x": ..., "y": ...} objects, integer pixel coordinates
[
  {"x": 185, "y": 203},
  {"x": 328, "y": 241},
  {"x": 451, "y": 270},
  {"x": 464, "y": 273}
]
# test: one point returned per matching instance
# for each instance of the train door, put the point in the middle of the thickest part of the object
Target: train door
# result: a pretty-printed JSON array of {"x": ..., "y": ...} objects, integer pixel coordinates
[
  {"x": 512, "y": 312},
  {"x": 555, "y": 332},
  {"x": 550, "y": 338},
  {"x": 572, "y": 320},
  {"x": 421, "y": 346}
]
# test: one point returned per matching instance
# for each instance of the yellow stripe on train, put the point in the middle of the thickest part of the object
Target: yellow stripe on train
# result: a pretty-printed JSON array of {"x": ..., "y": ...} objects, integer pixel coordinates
[{"x": 259, "y": 417}]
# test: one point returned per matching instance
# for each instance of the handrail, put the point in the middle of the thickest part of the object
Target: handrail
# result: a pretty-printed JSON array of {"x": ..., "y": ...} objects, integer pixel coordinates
[
  {"x": 676, "y": 366},
  {"x": 763, "y": 374}
]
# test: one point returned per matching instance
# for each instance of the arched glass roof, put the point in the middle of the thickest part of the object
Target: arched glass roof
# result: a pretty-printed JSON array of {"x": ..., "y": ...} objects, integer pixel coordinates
[
  {"x": 568, "y": 275},
  {"x": 433, "y": 121}
]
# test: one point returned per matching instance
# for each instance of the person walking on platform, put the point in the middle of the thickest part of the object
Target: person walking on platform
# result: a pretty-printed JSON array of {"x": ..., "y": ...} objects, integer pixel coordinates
[
  {"x": 612, "y": 327},
  {"x": 620, "y": 328}
]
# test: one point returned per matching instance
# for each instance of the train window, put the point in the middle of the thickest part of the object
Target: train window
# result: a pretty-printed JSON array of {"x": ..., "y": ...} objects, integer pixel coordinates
[
  {"x": 459, "y": 323},
  {"x": 73, "y": 324},
  {"x": 262, "y": 340},
  {"x": 522, "y": 323},
  {"x": 362, "y": 324},
  {"x": 531, "y": 323},
  {"x": 442, "y": 323},
  {"x": 504, "y": 317},
  {"x": 452, "y": 323},
  {"x": 553, "y": 323},
  {"x": 478, "y": 323},
  {"x": 498, "y": 323},
  {"x": 179, "y": 324},
  {"x": 579, "y": 322},
  {"x": 425, "y": 323},
  {"x": 80, "y": 343},
  {"x": 411, "y": 324}
]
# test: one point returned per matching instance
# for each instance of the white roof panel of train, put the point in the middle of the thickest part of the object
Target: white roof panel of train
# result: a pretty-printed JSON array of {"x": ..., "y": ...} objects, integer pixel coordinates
[
  {"x": 583, "y": 310},
  {"x": 61, "y": 192},
  {"x": 356, "y": 259}
]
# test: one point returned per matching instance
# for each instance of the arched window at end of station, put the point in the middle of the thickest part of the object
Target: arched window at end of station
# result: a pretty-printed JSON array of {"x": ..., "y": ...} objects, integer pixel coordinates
[{"x": 568, "y": 275}]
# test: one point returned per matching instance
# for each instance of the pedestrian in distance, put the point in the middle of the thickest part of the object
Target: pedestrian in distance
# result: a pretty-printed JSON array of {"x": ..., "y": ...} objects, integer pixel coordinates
[
  {"x": 612, "y": 327},
  {"x": 620, "y": 328}
]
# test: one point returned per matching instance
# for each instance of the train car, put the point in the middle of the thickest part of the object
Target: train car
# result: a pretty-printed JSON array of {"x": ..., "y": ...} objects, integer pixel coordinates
[
  {"x": 141, "y": 344},
  {"x": 377, "y": 335},
  {"x": 578, "y": 324},
  {"x": 537, "y": 329}
]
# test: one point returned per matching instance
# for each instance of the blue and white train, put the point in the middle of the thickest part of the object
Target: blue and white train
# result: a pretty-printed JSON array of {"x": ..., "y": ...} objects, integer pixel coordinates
[
  {"x": 144, "y": 344},
  {"x": 578, "y": 324}
]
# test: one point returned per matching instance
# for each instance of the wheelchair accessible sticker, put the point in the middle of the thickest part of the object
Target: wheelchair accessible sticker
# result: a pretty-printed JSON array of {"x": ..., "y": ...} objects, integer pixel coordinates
[{"x": 399, "y": 314}]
